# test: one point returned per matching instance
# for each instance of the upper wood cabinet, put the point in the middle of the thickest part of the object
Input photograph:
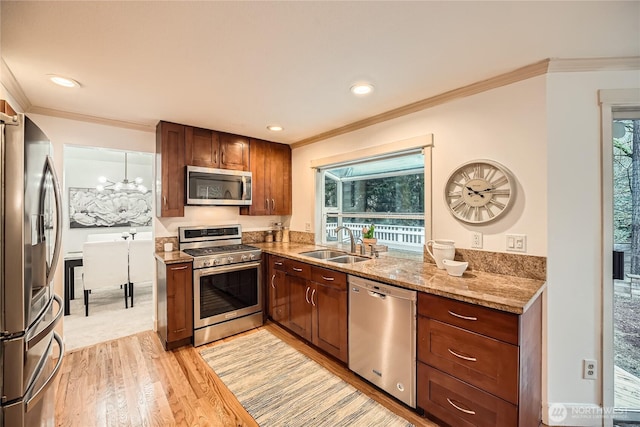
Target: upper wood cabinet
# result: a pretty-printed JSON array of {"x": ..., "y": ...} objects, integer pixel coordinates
[
  {"x": 202, "y": 147},
  {"x": 234, "y": 152},
  {"x": 170, "y": 175},
  {"x": 270, "y": 164}
]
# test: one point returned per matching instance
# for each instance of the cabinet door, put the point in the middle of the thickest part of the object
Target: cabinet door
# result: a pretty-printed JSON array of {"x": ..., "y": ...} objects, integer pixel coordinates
[
  {"x": 179, "y": 301},
  {"x": 279, "y": 182},
  {"x": 257, "y": 161},
  {"x": 170, "y": 163},
  {"x": 202, "y": 147},
  {"x": 330, "y": 320},
  {"x": 234, "y": 152},
  {"x": 299, "y": 306},
  {"x": 279, "y": 297}
]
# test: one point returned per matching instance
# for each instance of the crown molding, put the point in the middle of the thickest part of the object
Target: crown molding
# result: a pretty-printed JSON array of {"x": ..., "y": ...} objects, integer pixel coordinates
[
  {"x": 532, "y": 70},
  {"x": 553, "y": 65},
  {"x": 562, "y": 65},
  {"x": 9, "y": 81},
  {"x": 91, "y": 119}
]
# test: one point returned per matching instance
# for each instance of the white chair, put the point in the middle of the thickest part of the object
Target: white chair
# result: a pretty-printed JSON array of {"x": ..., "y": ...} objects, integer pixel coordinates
[
  {"x": 105, "y": 265},
  {"x": 141, "y": 264}
]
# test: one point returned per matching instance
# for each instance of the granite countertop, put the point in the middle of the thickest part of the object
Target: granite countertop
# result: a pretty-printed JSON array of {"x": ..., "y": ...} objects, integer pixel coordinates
[
  {"x": 506, "y": 293},
  {"x": 173, "y": 257}
]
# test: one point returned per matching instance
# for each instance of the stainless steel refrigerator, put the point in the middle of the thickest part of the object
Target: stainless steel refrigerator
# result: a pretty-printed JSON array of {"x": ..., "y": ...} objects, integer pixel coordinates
[{"x": 29, "y": 250}]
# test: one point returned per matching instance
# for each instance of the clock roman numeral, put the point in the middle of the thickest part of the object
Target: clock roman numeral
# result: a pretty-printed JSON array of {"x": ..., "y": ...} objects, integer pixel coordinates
[
  {"x": 497, "y": 204},
  {"x": 457, "y": 204},
  {"x": 466, "y": 176},
  {"x": 455, "y": 193},
  {"x": 477, "y": 171},
  {"x": 501, "y": 181},
  {"x": 489, "y": 213},
  {"x": 500, "y": 192}
]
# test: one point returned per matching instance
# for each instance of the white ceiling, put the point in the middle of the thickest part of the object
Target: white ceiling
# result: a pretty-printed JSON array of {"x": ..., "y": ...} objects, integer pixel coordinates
[{"x": 239, "y": 66}]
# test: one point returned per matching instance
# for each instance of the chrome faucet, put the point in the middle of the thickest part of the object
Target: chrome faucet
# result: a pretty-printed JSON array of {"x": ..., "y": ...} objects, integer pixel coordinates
[{"x": 353, "y": 242}]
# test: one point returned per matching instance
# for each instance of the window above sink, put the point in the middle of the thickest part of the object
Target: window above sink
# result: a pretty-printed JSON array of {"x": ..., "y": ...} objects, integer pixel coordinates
[{"x": 386, "y": 190}]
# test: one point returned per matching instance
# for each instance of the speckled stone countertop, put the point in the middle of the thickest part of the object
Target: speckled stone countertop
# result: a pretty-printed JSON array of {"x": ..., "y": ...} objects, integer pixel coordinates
[
  {"x": 173, "y": 257},
  {"x": 505, "y": 293}
]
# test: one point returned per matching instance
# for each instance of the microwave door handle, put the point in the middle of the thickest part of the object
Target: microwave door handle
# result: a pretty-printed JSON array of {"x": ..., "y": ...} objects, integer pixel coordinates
[
  {"x": 58, "y": 199},
  {"x": 244, "y": 188}
]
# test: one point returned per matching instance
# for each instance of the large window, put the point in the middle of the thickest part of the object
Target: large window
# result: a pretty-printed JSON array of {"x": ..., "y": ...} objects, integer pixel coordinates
[{"x": 387, "y": 192}]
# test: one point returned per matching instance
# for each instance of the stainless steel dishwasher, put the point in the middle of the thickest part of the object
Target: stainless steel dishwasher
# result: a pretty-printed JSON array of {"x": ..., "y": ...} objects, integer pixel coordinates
[{"x": 382, "y": 336}]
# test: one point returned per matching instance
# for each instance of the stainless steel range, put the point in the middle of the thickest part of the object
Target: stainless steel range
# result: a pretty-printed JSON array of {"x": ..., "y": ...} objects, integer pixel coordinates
[{"x": 227, "y": 281}]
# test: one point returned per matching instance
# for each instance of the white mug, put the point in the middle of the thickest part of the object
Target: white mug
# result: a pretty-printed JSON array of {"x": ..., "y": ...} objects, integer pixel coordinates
[
  {"x": 442, "y": 249},
  {"x": 168, "y": 247}
]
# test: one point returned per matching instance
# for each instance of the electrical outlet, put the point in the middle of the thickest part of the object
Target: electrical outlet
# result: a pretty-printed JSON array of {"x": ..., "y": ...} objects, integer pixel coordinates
[
  {"x": 476, "y": 240},
  {"x": 517, "y": 242},
  {"x": 589, "y": 369},
  {"x": 307, "y": 227}
]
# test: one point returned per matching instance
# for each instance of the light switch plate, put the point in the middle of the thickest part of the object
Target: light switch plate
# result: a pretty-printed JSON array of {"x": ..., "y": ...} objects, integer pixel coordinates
[
  {"x": 516, "y": 242},
  {"x": 476, "y": 240}
]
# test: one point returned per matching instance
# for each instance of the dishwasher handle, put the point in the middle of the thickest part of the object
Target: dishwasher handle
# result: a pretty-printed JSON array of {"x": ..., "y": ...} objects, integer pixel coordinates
[{"x": 376, "y": 295}]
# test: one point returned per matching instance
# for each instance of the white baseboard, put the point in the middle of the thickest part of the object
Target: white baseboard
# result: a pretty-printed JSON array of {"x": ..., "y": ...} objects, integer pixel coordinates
[{"x": 577, "y": 414}]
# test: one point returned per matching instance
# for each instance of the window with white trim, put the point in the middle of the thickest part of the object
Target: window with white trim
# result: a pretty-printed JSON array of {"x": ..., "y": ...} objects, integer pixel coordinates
[{"x": 386, "y": 191}]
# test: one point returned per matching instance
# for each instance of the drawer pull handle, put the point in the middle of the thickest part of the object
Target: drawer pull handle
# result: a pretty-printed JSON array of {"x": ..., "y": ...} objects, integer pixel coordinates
[
  {"x": 330, "y": 279},
  {"x": 470, "y": 359},
  {"x": 460, "y": 316},
  {"x": 277, "y": 263},
  {"x": 297, "y": 269},
  {"x": 312, "y": 295},
  {"x": 466, "y": 411},
  {"x": 306, "y": 295},
  {"x": 274, "y": 286},
  {"x": 184, "y": 267}
]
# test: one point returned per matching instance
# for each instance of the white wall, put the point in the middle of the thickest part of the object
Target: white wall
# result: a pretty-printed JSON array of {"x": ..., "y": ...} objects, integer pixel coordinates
[
  {"x": 574, "y": 301},
  {"x": 507, "y": 124}
]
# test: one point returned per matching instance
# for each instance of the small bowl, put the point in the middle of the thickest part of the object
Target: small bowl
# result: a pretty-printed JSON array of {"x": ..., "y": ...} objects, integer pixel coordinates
[{"x": 455, "y": 268}]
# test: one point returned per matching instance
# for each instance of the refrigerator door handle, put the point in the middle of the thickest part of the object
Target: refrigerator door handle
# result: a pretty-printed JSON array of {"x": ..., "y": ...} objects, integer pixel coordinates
[
  {"x": 32, "y": 341},
  {"x": 35, "y": 397},
  {"x": 58, "y": 198}
]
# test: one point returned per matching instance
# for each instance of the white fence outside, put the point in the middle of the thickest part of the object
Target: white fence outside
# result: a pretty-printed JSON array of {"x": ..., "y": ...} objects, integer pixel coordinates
[{"x": 394, "y": 236}]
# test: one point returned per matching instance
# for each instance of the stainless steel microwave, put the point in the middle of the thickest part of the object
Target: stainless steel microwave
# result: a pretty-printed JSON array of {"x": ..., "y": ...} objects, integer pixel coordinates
[{"x": 211, "y": 187}]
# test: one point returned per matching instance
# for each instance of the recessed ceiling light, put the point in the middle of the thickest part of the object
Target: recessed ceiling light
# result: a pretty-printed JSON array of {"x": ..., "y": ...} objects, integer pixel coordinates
[
  {"x": 63, "y": 81},
  {"x": 275, "y": 128},
  {"x": 362, "y": 89}
]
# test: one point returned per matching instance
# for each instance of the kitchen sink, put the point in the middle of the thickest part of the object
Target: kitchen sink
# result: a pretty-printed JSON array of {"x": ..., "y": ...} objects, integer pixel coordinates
[
  {"x": 348, "y": 259},
  {"x": 334, "y": 256},
  {"x": 323, "y": 254}
]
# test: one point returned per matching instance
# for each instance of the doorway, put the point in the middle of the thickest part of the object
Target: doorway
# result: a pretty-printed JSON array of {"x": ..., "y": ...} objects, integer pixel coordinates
[
  {"x": 625, "y": 132},
  {"x": 107, "y": 195}
]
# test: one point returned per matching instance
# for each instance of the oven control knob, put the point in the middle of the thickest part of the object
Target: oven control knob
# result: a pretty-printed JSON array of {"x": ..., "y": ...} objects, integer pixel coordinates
[
  {"x": 206, "y": 263},
  {"x": 243, "y": 257},
  {"x": 252, "y": 256},
  {"x": 216, "y": 261},
  {"x": 230, "y": 259}
]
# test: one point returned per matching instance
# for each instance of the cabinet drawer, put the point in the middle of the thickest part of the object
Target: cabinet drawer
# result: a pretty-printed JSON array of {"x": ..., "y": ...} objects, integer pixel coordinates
[
  {"x": 460, "y": 404},
  {"x": 328, "y": 277},
  {"x": 276, "y": 262},
  {"x": 486, "y": 321},
  {"x": 484, "y": 362},
  {"x": 297, "y": 268}
]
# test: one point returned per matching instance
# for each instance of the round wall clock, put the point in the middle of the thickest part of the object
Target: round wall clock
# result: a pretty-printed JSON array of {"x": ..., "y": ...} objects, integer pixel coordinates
[{"x": 479, "y": 191}]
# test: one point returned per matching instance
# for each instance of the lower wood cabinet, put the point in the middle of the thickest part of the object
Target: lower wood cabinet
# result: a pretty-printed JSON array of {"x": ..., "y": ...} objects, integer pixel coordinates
[
  {"x": 278, "y": 290},
  {"x": 175, "y": 303},
  {"x": 311, "y": 302},
  {"x": 478, "y": 366}
]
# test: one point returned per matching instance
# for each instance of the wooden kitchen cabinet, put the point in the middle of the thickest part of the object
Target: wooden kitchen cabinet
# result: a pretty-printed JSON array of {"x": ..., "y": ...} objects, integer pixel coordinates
[
  {"x": 318, "y": 306},
  {"x": 478, "y": 366},
  {"x": 329, "y": 316},
  {"x": 175, "y": 303},
  {"x": 278, "y": 290},
  {"x": 202, "y": 147},
  {"x": 270, "y": 165},
  {"x": 170, "y": 169},
  {"x": 234, "y": 152}
]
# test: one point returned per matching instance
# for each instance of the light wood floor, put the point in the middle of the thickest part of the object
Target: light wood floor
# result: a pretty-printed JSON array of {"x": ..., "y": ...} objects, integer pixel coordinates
[{"x": 132, "y": 381}]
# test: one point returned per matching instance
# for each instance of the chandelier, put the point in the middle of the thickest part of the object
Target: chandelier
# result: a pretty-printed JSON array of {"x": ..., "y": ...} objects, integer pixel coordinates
[{"x": 125, "y": 184}]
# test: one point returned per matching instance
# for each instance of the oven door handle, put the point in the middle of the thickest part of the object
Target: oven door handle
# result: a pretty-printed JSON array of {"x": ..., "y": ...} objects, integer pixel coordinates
[{"x": 226, "y": 269}]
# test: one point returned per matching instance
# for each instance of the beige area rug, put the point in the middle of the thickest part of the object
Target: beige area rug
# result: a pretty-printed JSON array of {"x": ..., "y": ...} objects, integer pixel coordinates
[
  {"x": 108, "y": 319},
  {"x": 281, "y": 387}
]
